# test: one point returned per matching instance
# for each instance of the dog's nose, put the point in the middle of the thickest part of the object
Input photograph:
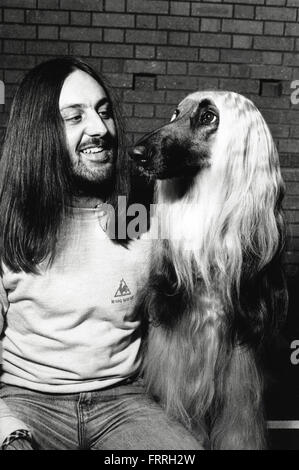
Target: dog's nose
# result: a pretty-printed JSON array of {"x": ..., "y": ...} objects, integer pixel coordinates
[{"x": 137, "y": 153}]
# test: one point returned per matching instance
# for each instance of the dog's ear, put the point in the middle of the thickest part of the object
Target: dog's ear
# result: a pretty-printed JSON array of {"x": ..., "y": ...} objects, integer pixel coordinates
[
  {"x": 249, "y": 180},
  {"x": 246, "y": 229}
]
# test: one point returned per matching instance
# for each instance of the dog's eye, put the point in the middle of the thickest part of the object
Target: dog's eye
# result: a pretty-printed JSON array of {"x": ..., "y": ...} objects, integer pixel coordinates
[
  {"x": 208, "y": 118},
  {"x": 175, "y": 115}
]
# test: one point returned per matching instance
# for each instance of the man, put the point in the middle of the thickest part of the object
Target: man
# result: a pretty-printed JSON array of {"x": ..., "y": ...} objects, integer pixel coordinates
[{"x": 71, "y": 347}]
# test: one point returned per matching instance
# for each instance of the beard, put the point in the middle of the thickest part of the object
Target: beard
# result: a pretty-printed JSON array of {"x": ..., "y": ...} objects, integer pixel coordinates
[{"x": 94, "y": 179}]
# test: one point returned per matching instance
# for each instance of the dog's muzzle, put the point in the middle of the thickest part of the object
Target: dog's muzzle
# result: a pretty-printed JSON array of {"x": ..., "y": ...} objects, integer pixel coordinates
[{"x": 143, "y": 156}]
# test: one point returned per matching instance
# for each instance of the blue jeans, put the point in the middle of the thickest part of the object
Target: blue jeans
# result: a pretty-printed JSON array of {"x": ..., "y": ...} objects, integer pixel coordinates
[{"x": 122, "y": 417}]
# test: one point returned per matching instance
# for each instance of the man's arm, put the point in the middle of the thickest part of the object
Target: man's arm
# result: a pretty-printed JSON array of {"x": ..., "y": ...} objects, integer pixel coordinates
[{"x": 10, "y": 424}]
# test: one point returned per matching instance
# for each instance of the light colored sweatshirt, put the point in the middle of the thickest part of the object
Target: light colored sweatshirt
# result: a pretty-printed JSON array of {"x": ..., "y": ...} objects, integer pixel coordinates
[{"x": 70, "y": 329}]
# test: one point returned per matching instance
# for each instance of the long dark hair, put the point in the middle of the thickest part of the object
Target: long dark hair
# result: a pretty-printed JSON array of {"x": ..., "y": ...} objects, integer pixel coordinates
[{"x": 36, "y": 173}]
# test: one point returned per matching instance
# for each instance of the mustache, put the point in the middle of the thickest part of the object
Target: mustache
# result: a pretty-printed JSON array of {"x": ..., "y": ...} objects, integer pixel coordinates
[{"x": 106, "y": 143}]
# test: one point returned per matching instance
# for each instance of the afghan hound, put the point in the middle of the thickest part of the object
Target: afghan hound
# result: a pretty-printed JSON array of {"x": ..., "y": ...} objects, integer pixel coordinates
[{"x": 215, "y": 292}]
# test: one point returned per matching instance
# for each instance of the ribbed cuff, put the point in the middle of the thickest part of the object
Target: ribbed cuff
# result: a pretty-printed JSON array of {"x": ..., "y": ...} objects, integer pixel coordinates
[
  {"x": 9, "y": 425},
  {"x": 19, "y": 434}
]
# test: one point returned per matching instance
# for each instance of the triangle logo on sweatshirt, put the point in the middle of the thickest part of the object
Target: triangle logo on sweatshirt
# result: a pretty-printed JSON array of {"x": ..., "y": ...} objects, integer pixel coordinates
[{"x": 122, "y": 289}]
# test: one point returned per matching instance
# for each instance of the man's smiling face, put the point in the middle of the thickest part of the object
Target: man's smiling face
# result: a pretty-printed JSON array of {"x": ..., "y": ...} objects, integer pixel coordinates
[{"x": 89, "y": 128}]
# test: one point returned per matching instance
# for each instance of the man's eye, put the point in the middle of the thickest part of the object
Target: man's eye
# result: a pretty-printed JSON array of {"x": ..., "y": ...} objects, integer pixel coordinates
[
  {"x": 73, "y": 119},
  {"x": 175, "y": 115},
  {"x": 105, "y": 113},
  {"x": 208, "y": 118}
]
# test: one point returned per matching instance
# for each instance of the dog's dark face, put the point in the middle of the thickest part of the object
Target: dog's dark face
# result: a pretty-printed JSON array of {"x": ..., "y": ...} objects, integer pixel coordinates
[{"x": 181, "y": 147}]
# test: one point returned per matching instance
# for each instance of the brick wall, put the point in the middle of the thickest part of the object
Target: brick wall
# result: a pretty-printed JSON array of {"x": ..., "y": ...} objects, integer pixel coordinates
[{"x": 156, "y": 51}]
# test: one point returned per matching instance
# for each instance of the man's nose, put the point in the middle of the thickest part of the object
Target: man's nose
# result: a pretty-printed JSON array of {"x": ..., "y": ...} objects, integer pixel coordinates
[{"x": 95, "y": 125}]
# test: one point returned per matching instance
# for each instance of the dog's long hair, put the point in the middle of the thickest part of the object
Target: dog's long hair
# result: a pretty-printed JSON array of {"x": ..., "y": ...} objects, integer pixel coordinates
[{"x": 216, "y": 291}]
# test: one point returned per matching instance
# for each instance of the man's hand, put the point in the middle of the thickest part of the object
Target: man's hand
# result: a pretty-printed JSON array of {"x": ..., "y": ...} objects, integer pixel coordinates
[{"x": 19, "y": 444}]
